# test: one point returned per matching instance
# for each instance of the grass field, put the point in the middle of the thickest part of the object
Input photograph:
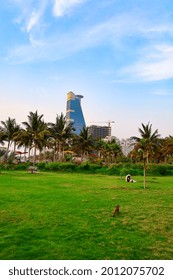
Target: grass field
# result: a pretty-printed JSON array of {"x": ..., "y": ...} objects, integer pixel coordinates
[{"x": 68, "y": 216}]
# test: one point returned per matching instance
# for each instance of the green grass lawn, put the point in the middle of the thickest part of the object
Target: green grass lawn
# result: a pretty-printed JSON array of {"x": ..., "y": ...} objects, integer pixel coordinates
[{"x": 68, "y": 216}]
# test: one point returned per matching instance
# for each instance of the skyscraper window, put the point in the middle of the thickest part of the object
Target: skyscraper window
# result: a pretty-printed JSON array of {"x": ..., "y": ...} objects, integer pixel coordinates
[{"x": 74, "y": 112}]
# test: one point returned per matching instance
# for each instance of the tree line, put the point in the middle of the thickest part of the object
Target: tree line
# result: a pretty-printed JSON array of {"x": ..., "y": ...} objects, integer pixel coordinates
[{"x": 57, "y": 141}]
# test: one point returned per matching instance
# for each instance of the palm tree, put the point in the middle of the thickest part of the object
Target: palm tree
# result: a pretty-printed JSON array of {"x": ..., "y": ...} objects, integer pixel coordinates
[
  {"x": 115, "y": 149},
  {"x": 83, "y": 143},
  {"x": 151, "y": 139},
  {"x": 60, "y": 132},
  {"x": 24, "y": 140},
  {"x": 167, "y": 148},
  {"x": 2, "y": 137},
  {"x": 16, "y": 131},
  {"x": 146, "y": 144},
  {"x": 109, "y": 150},
  {"x": 101, "y": 148},
  {"x": 3, "y": 155},
  {"x": 36, "y": 130},
  {"x": 8, "y": 130}
]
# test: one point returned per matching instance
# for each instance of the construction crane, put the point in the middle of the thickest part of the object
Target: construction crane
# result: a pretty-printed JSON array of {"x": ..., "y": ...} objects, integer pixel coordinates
[{"x": 108, "y": 122}]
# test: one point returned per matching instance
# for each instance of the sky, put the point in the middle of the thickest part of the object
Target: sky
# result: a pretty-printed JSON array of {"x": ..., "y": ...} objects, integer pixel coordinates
[{"x": 118, "y": 54}]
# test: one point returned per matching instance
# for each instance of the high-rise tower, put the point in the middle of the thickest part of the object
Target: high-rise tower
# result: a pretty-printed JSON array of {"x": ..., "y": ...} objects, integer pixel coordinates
[
  {"x": 98, "y": 131},
  {"x": 74, "y": 112}
]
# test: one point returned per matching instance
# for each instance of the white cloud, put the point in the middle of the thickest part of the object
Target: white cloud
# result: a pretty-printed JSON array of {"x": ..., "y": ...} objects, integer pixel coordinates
[
  {"x": 61, "y": 7},
  {"x": 31, "y": 12},
  {"x": 36, "y": 15},
  {"x": 155, "y": 65},
  {"x": 162, "y": 92},
  {"x": 35, "y": 42},
  {"x": 34, "y": 18}
]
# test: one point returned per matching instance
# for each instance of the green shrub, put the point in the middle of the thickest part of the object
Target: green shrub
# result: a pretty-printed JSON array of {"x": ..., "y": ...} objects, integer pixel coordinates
[
  {"x": 88, "y": 167},
  {"x": 83, "y": 166},
  {"x": 118, "y": 169},
  {"x": 103, "y": 170},
  {"x": 4, "y": 166},
  {"x": 124, "y": 169},
  {"x": 41, "y": 165},
  {"x": 60, "y": 166},
  {"x": 157, "y": 170},
  {"x": 113, "y": 169},
  {"x": 21, "y": 166}
]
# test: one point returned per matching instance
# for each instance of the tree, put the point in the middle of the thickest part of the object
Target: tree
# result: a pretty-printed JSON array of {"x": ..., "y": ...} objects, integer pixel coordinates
[
  {"x": 101, "y": 148},
  {"x": 115, "y": 150},
  {"x": 3, "y": 155},
  {"x": 167, "y": 148},
  {"x": 109, "y": 150},
  {"x": 83, "y": 143},
  {"x": 60, "y": 133},
  {"x": 23, "y": 139},
  {"x": 2, "y": 137},
  {"x": 36, "y": 130},
  {"x": 146, "y": 144},
  {"x": 151, "y": 139},
  {"x": 8, "y": 130}
]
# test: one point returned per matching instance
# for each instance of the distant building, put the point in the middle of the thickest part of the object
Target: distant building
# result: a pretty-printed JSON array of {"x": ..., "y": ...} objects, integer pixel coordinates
[
  {"x": 127, "y": 146},
  {"x": 112, "y": 138},
  {"x": 74, "y": 112},
  {"x": 98, "y": 132}
]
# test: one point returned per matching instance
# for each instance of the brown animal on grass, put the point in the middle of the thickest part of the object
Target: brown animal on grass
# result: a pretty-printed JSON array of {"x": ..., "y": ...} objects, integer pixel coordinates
[{"x": 116, "y": 210}]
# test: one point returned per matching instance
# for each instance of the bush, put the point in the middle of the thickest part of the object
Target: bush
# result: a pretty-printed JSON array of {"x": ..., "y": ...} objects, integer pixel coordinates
[
  {"x": 113, "y": 169},
  {"x": 5, "y": 166},
  {"x": 103, "y": 170},
  {"x": 41, "y": 165},
  {"x": 124, "y": 169},
  {"x": 21, "y": 166},
  {"x": 60, "y": 166},
  {"x": 88, "y": 168},
  {"x": 119, "y": 169},
  {"x": 157, "y": 170}
]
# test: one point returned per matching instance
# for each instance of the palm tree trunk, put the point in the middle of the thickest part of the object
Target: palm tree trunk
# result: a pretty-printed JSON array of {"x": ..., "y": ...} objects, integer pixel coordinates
[
  {"x": 29, "y": 153},
  {"x": 147, "y": 157},
  {"x": 165, "y": 159},
  {"x": 35, "y": 153},
  {"x": 54, "y": 152},
  {"x": 59, "y": 153},
  {"x": 8, "y": 147},
  {"x": 144, "y": 173},
  {"x": 63, "y": 153},
  {"x": 24, "y": 153},
  {"x": 82, "y": 155},
  {"x": 14, "y": 150}
]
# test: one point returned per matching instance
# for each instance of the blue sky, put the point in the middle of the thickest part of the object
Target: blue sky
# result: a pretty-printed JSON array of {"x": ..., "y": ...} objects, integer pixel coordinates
[{"x": 117, "y": 53}]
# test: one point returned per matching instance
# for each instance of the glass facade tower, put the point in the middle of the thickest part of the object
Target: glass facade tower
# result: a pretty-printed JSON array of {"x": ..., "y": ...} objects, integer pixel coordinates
[{"x": 74, "y": 112}]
